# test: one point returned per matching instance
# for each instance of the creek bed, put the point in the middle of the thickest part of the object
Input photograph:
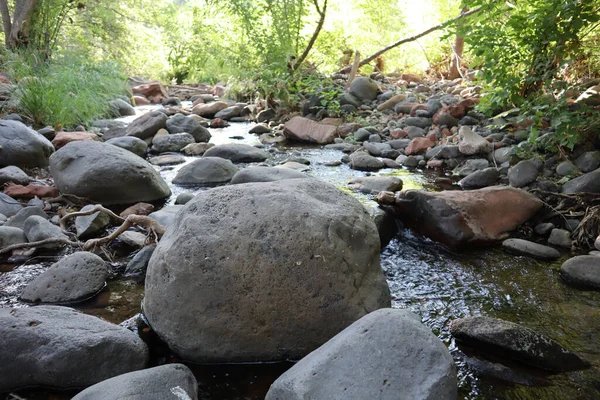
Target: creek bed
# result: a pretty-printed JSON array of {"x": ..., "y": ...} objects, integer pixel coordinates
[{"x": 436, "y": 283}]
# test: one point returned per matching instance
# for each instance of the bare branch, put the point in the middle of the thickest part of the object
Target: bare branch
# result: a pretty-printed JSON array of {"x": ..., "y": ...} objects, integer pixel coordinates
[
  {"x": 313, "y": 39},
  {"x": 18, "y": 246}
]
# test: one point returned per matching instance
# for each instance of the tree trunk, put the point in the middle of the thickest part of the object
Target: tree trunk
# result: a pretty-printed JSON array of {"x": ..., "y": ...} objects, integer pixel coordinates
[
  {"x": 18, "y": 36},
  {"x": 6, "y": 22},
  {"x": 457, "y": 53}
]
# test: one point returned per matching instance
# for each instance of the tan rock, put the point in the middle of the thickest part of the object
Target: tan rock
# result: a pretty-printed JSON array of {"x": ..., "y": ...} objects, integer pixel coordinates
[
  {"x": 30, "y": 191},
  {"x": 153, "y": 91},
  {"x": 138, "y": 209},
  {"x": 63, "y": 138},
  {"x": 389, "y": 105},
  {"x": 306, "y": 130},
  {"x": 210, "y": 109},
  {"x": 197, "y": 149},
  {"x": 470, "y": 143}
]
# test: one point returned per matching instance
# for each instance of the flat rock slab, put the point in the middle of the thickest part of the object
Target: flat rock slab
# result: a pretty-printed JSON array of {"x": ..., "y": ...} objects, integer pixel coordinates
[
  {"x": 75, "y": 278},
  {"x": 237, "y": 153},
  {"x": 515, "y": 342},
  {"x": 59, "y": 347},
  {"x": 167, "y": 382},
  {"x": 265, "y": 174},
  {"x": 89, "y": 225},
  {"x": 386, "y": 355},
  {"x": 582, "y": 271},
  {"x": 306, "y": 130},
  {"x": 531, "y": 249}
]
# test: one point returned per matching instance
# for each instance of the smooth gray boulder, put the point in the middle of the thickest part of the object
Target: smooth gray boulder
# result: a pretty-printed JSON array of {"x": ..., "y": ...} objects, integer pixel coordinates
[
  {"x": 470, "y": 166},
  {"x": 524, "y": 173},
  {"x": 9, "y": 206},
  {"x": 106, "y": 174},
  {"x": 180, "y": 123},
  {"x": 139, "y": 263},
  {"x": 13, "y": 174},
  {"x": 237, "y": 153},
  {"x": 167, "y": 382},
  {"x": 515, "y": 342},
  {"x": 582, "y": 271},
  {"x": 10, "y": 236},
  {"x": 122, "y": 108},
  {"x": 89, "y": 225},
  {"x": 38, "y": 228},
  {"x": 135, "y": 145},
  {"x": 59, "y": 347},
  {"x": 561, "y": 238},
  {"x": 299, "y": 260},
  {"x": 387, "y": 354},
  {"x": 207, "y": 170},
  {"x": 171, "y": 143},
  {"x": 480, "y": 179},
  {"x": 146, "y": 126},
  {"x": 587, "y": 183},
  {"x": 364, "y": 162},
  {"x": 363, "y": 88},
  {"x": 229, "y": 112},
  {"x": 21, "y": 145},
  {"x": 75, "y": 278},
  {"x": 18, "y": 220},
  {"x": 265, "y": 174},
  {"x": 589, "y": 161},
  {"x": 184, "y": 198},
  {"x": 531, "y": 249}
]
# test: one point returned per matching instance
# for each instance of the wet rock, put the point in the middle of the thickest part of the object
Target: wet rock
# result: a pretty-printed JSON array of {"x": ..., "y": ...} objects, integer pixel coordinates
[
  {"x": 62, "y": 348},
  {"x": 265, "y": 174},
  {"x": 88, "y": 170},
  {"x": 180, "y": 123},
  {"x": 296, "y": 241},
  {"x": 131, "y": 143},
  {"x": 352, "y": 364},
  {"x": 37, "y": 228},
  {"x": 363, "y": 88},
  {"x": 10, "y": 235},
  {"x": 122, "y": 108},
  {"x": 376, "y": 184},
  {"x": 470, "y": 143},
  {"x": 470, "y": 166},
  {"x": 89, "y": 225},
  {"x": 147, "y": 125},
  {"x": 582, "y": 271},
  {"x": 75, "y": 278},
  {"x": 172, "y": 143},
  {"x": 206, "y": 170},
  {"x": 589, "y": 161},
  {"x": 20, "y": 145},
  {"x": 9, "y": 206},
  {"x": 167, "y": 159},
  {"x": 364, "y": 162},
  {"x": 12, "y": 174},
  {"x": 515, "y": 342},
  {"x": 18, "y": 220},
  {"x": 184, "y": 198},
  {"x": 588, "y": 183},
  {"x": 530, "y": 249},
  {"x": 209, "y": 110},
  {"x": 480, "y": 179},
  {"x": 171, "y": 381},
  {"x": 139, "y": 263},
  {"x": 458, "y": 218},
  {"x": 561, "y": 238},
  {"x": 237, "y": 153},
  {"x": 306, "y": 130},
  {"x": 524, "y": 173},
  {"x": 166, "y": 215}
]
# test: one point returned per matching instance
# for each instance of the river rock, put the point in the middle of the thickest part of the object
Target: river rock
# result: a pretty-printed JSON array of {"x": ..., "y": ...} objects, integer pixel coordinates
[
  {"x": 184, "y": 198},
  {"x": 122, "y": 108},
  {"x": 154, "y": 91},
  {"x": 229, "y": 113},
  {"x": 62, "y": 348},
  {"x": 64, "y": 138},
  {"x": 420, "y": 122},
  {"x": 566, "y": 168},
  {"x": 180, "y": 123},
  {"x": 306, "y": 130},
  {"x": 166, "y": 215},
  {"x": 265, "y": 174},
  {"x": 207, "y": 170},
  {"x": 209, "y": 110},
  {"x": 470, "y": 143},
  {"x": 172, "y": 143},
  {"x": 12, "y": 174},
  {"x": 167, "y": 159},
  {"x": 589, "y": 161},
  {"x": 582, "y": 271},
  {"x": 502, "y": 155},
  {"x": 363, "y": 88},
  {"x": 515, "y": 342},
  {"x": 20, "y": 145},
  {"x": 259, "y": 129},
  {"x": 237, "y": 153},
  {"x": 531, "y": 249},
  {"x": 364, "y": 162},
  {"x": 524, "y": 173},
  {"x": 459, "y": 218},
  {"x": 37, "y": 228},
  {"x": 419, "y": 145},
  {"x": 470, "y": 166},
  {"x": 139, "y": 263},
  {"x": 480, "y": 179},
  {"x": 376, "y": 184},
  {"x": 197, "y": 149},
  {"x": 167, "y": 382},
  {"x": 9, "y": 206},
  {"x": 90, "y": 170},
  {"x": 387, "y": 354},
  {"x": 131, "y": 143},
  {"x": 288, "y": 243},
  {"x": 89, "y": 225},
  {"x": 587, "y": 183},
  {"x": 10, "y": 236},
  {"x": 561, "y": 238},
  {"x": 146, "y": 126},
  {"x": 75, "y": 278}
]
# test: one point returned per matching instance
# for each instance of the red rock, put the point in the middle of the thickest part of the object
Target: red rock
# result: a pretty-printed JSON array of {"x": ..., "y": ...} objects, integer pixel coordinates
[
  {"x": 218, "y": 123},
  {"x": 419, "y": 145},
  {"x": 411, "y": 78},
  {"x": 138, "y": 209},
  {"x": 153, "y": 91},
  {"x": 210, "y": 109},
  {"x": 346, "y": 129},
  {"x": 31, "y": 191},
  {"x": 398, "y": 134},
  {"x": 63, "y": 138},
  {"x": 446, "y": 132},
  {"x": 461, "y": 109},
  {"x": 413, "y": 111},
  {"x": 435, "y": 163},
  {"x": 306, "y": 130},
  {"x": 197, "y": 101},
  {"x": 141, "y": 101}
]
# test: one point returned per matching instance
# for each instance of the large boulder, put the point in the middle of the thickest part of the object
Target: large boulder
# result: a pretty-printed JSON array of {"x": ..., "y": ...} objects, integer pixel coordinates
[
  {"x": 387, "y": 354},
  {"x": 20, "y": 145},
  {"x": 515, "y": 342},
  {"x": 106, "y": 174},
  {"x": 147, "y": 125},
  {"x": 75, "y": 278},
  {"x": 237, "y": 153},
  {"x": 207, "y": 170},
  {"x": 153, "y": 91},
  {"x": 62, "y": 348},
  {"x": 458, "y": 218},
  {"x": 306, "y": 130},
  {"x": 587, "y": 183},
  {"x": 268, "y": 271},
  {"x": 180, "y": 123},
  {"x": 167, "y": 382},
  {"x": 364, "y": 88},
  {"x": 265, "y": 174}
]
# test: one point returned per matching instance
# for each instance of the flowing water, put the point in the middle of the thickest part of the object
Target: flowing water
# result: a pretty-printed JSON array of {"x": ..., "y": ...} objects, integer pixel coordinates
[{"x": 434, "y": 282}]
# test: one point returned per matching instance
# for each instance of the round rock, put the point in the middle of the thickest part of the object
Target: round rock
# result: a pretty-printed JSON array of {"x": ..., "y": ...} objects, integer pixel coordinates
[
  {"x": 207, "y": 170},
  {"x": 135, "y": 145},
  {"x": 531, "y": 249},
  {"x": 237, "y": 153},
  {"x": 172, "y": 143},
  {"x": 582, "y": 271},
  {"x": 265, "y": 174},
  {"x": 20, "y": 145}
]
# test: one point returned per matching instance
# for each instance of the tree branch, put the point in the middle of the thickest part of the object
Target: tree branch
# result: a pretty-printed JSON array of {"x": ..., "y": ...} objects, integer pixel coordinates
[
  {"x": 39, "y": 243},
  {"x": 315, "y": 35}
]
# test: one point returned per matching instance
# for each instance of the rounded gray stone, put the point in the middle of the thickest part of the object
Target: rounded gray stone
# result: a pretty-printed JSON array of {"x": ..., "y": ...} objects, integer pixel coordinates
[
  {"x": 172, "y": 143},
  {"x": 38, "y": 228},
  {"x": 561, "y": 238},
  {"x": 18, "y": 220},
  {"x": 207, "y": 170},
  {"x": 9, "y": 206},
  {"x": 89, "y": 225},
  {"x": 147, "y": 125},
  {"x": 184, "y": 198},
  {"x": 524, "y": 173},
  {"x": 13, "y": 174},
  {"x": 480, "y": 179},
  {"x": 21, "y": 145},
  {"x": 10, "y": 235},
  {"x": 180, "y": 123},
  {"x": 237, "y": 153},
  {"x": 582, "y": 271},
  {"x": 531, "y": 249},
  {"x": 265, "y": 174},
  {"x": 135, "y": 145},
  {"x": 364, "y": 162},
  {"x": 363, "y": 88}
]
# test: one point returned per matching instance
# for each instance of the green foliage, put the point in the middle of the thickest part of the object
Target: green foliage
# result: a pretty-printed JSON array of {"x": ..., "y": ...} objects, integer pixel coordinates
[{"x": 70, "y": 91}]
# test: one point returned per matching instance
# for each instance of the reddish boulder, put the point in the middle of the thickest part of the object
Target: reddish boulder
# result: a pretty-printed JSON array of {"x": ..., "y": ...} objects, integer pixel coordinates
[
  {"x": 459, "y": 218},
  {"x": 218, "y": 123},
  {"x": 411, "y": 78},
  {"x": 398, "y": 134},
  {"x": 306, "y": 130},
  {"x": 31, "y": 191},
  {"x": 63, "y": 138},
  {"x": 419, "y": 145},
  {"x": 140, "y": 101},
  {"x": 153, "y": 91},
  {"x": 137, "y": 209}
]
